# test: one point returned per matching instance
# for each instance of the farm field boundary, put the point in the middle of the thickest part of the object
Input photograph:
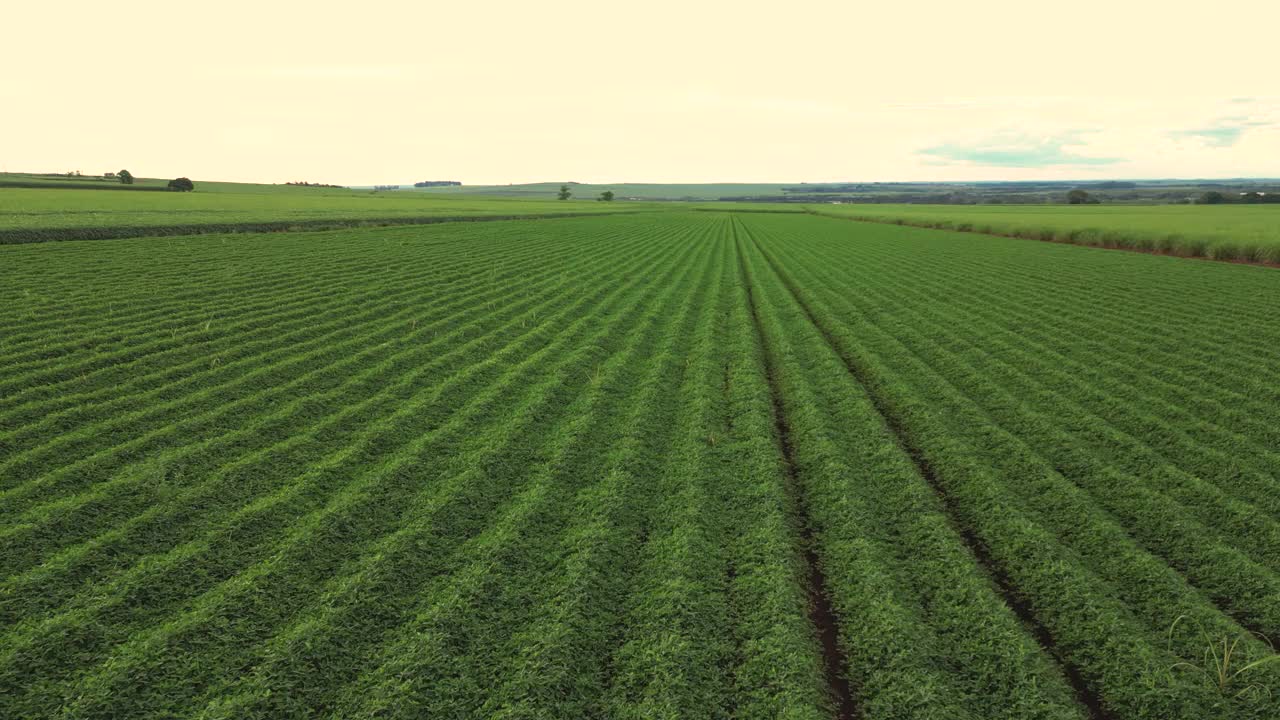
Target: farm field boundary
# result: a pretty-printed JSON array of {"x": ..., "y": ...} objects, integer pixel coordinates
[
  {"x": 1262, "y": 254},
  {"x": 32, "y": 185},
  {"x": 18, "y": 236}
]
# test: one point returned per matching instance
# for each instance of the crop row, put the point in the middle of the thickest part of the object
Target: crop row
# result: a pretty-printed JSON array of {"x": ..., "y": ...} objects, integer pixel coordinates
[
  {"x": 1106, "y": 554},
  {"x": 111, "y": 320},
  {"x": 702, "y": 465},
  {"x": 385, "y": 318},
  {"x": 520, "y": 472},
  {"x": 306, "y": 423},
  {"x": 910, "y": 598},
  {"x": 310, "y": 481}
]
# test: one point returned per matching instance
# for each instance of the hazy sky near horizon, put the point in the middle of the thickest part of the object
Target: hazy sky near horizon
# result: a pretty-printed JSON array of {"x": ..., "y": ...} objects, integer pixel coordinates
[{"x": 502, "y": 91}]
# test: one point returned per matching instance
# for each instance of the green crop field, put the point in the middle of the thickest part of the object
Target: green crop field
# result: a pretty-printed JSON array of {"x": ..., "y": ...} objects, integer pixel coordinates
[
  {"x": 33, "y": 215},
  {"x": 1242, "y": 233},
  {"x": 662, "y": 464}
]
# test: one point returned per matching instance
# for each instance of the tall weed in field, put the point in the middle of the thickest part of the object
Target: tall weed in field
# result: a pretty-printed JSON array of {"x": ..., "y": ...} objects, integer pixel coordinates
[{"x": 1226, "y": 665}]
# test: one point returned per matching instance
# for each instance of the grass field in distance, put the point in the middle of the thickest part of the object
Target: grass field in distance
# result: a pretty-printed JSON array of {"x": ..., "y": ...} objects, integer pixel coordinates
[{"x": 1245, "y": 233}]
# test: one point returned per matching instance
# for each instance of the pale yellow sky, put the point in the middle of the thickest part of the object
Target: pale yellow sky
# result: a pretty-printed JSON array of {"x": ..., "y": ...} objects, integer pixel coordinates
[{"x": 495, "y": 92}]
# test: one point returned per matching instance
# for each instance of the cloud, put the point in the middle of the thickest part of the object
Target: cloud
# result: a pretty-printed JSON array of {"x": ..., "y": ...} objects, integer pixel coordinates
[
  {"x": 1224, "y": 132},
  {"x": 1212, "y": 136},
  {"x": 1015, "y": 150}
]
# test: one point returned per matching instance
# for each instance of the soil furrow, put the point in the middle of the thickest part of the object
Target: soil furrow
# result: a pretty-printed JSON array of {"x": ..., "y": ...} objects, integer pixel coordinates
[
  {"x": 1004, "y": 584},
  {"x": 821, "y": 612}
]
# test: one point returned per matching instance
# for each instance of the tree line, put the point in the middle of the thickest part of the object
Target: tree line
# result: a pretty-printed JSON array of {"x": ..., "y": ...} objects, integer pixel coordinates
[
  {"x": 565, "y": 193},
  {"x": 1213, "y": 197},
  {"x": 181, "y": 184}
]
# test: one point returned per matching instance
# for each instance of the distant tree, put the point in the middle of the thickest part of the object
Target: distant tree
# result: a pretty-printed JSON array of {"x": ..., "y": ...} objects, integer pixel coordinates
[
  {"x": 1077, "y": 197},
  {"x": 606, "y": 196},
  {"x": 564, "y": 193},
  {"x": 125, "y": 176},
  {"x": 181, "y": 185},
  {"x": 1213, "y": 197}
]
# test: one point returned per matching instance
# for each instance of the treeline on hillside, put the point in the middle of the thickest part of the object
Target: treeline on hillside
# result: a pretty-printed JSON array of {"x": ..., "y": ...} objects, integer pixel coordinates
[
  {"x": 121, "y": 180},
  {"x": 1198, "y": 196},
  {"x": 984, "y": 188},
  {"x": 304, "y": 183},
  {"x": 1259, "y": 197},
  {"x": 1214, "y": 197},
  {"x": 1017, "y": 193},
  {"x": 437, "y": 183},
  {"x": 898, "y": 199},
  {"x": 1029, "y": 192}
]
